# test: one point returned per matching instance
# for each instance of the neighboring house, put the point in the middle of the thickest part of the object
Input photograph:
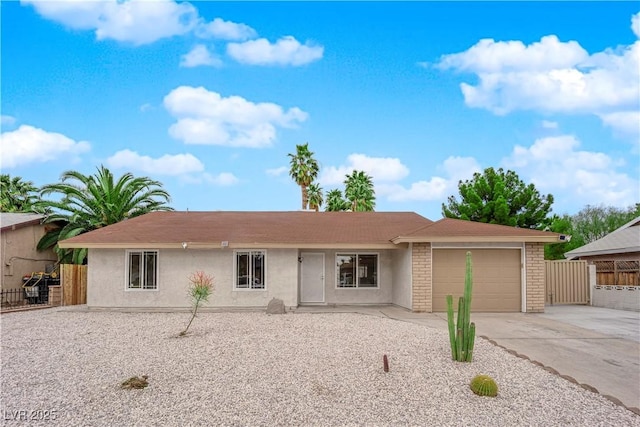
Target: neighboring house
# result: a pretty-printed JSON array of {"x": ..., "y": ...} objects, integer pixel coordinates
[
  {"x": 19, "y": 235},
  {"x": 302, "y": 257},
  {"x": 616, "y": 256}
]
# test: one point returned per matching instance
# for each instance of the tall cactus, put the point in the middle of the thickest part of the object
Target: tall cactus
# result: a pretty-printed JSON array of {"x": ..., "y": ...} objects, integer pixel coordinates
[{"x": 462, "y": 334}]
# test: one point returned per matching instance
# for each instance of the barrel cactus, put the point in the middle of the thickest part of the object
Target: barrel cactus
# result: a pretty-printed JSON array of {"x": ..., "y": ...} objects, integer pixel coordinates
[{"x": 484, "y": 385}]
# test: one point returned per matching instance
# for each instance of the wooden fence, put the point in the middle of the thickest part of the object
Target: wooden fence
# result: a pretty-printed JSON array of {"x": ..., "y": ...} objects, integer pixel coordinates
[
  {"x": 566, "y": 282},
  {"x": 74, "y": 284},
  {"x": 618, "y": 273}
]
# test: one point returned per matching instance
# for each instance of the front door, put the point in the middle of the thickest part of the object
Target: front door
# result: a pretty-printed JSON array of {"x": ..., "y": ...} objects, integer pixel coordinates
[{"x": 312, "y": 277}]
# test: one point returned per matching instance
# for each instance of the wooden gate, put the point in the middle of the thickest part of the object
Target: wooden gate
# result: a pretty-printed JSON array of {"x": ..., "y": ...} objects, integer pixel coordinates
[
  {"x": 566, "y": 282},
  {"x": 74, "y": 284}
]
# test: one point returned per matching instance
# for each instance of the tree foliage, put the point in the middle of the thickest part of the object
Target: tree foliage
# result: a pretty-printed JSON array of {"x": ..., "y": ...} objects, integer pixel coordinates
[
  {"x": 359, "y": 192},
  {"x": 17, "y": 195},
  {"x": 335, "y": 202},
  {"x": 89, "y": 202},
  {"x": 303, "y": 170},
  {"x": 589, "y": 224},
  {"x": 316, "y": 196},
  {"x": 499, "y": 197}
]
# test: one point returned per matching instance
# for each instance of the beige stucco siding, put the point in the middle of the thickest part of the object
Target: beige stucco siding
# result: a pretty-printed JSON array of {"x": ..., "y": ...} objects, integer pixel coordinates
[
  {"x": 401, "y": 273},
  {"x": 19, "y": 255},
  {"x": 106, "y": 279}
]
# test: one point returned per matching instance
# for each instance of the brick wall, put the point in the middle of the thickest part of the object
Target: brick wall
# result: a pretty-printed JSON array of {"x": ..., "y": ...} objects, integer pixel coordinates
[
  {"x": 535, "y": 271},
  {"x": 421, "y": 278}
]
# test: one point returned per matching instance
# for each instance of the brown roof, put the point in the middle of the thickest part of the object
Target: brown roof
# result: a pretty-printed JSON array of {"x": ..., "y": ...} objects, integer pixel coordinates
[
  {"x": 456, "y": 230},
  {"x": 253, "y": 229}
]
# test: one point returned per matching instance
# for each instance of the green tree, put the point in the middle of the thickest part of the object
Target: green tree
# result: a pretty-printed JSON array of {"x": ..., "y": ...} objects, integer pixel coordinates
[
  {"x": 89, "y": 202},
  {"x": 303, "y": 169},
  {"x": 499, "y": 197},
  {"x": 595, "y": 222},
  {"x": 563, "y": 225},
  {"x": 335, "y": 201},
  {"x": 17, "y": 195},
  {"x": 316, "y": 196},
  {"x": 360, "y": 192}
]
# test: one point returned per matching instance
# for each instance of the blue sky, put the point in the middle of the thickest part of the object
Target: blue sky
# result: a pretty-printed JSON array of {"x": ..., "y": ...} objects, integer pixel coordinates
[{"x": 209, "y": 97}]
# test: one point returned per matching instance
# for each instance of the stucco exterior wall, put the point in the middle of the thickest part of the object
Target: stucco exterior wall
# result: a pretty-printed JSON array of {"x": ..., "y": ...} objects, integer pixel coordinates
[
  {"x": 19, "y": 255},
  {"x": 106, "y": 279},
  {"x": 401, "y": 266},
  {"x": 421, "y": 278},
  {"x": 534, "y": 272},
  {"x": 380, "y": 295}
]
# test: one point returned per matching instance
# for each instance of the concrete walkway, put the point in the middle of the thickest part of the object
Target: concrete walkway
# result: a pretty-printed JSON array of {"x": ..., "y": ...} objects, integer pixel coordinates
[{"x": 595, "y": 346}]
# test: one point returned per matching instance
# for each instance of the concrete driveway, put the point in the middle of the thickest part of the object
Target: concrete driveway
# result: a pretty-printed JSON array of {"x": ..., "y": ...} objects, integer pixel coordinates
[{"x": 595, "y": 346}]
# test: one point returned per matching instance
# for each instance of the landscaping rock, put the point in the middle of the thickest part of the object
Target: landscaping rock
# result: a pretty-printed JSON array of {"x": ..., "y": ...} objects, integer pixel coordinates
[{"x": 276, "y": 306}]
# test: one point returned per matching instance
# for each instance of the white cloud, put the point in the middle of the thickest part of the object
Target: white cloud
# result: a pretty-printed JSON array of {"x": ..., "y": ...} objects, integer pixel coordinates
[
  {"x": 381, "y": 169},
  {"x": 226, "y": 30},
  {"x": 173, "y": 165},
  {"x": 205, "y": 117},
  {"x": 556, "y": 165},
  {"x": 200, "y": 55},
  {"x": 29, "y": 144},
  {"x": 286, "y": 51},
  {"x": 223, "y": 179},
  {"x": 146, "y": 107},
  {"x": 135, "y": 21},
  {"x": 437, "y": 188},
  {"x": 635, "y": 24},
  {"x": 626, "y": 123},
  {"x": 547, "y": 124},
  {"x": 550, "y": 76},
  {"x": 277, "y": 171},
  {"x": 7, "y": 120}
]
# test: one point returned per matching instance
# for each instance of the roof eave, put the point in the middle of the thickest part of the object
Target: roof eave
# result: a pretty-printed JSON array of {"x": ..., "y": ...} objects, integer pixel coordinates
[
  {"x": 476, "y": 239},
  {"x": 231, "y": 245},
  {"x": 573, "y": 254}
]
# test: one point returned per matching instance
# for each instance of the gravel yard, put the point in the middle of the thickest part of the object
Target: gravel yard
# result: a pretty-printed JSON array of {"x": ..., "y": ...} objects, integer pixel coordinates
[{"x": 250, "y": 368}]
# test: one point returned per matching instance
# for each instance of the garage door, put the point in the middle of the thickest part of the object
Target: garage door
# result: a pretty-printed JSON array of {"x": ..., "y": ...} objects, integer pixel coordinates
[{"x": 496, "y": 278}]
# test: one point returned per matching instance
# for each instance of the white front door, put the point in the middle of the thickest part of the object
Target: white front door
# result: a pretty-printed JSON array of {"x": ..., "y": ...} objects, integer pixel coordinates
[{"x": 312, "y": 277}]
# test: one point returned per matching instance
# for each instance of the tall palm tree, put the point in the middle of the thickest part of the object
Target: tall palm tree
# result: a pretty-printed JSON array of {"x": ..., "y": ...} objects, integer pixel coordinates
[
  {"x": 316, "y": 197},
  {"x": 335, "y": 202},
  {"x": 359, "y": 191},
  {"x": 304, "y": 170},
  {"x": 90, "y": 202},
  {"x": 17, "y": 195}
]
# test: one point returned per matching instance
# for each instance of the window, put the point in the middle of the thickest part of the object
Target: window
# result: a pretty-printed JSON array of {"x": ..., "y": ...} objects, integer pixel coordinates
[
  {"x": 357, "y": 270},
  {"x": 250, "y": 269},
  {"x": 142, "y": 270}
]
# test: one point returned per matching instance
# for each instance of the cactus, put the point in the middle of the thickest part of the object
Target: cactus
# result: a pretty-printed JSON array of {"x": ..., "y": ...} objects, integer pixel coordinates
[
  {"x": 484, "y": 385},
  {"x": 462, "y": 334}
]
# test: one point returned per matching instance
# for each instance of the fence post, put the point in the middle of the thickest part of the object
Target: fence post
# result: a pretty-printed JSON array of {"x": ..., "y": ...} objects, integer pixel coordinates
[{"x": 592, "y": 281}]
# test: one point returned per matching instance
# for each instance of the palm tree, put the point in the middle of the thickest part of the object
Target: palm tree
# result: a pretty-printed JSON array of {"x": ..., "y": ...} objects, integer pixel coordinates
[
  {"x": 17, "y": 195},
  {"x": 304, "y": 170},
  {"x": 335, "y": 202},
  {"x": 359, "y": 191},
  {"x": 314, "y": 192},
  {"x": 90, "y": 202}
]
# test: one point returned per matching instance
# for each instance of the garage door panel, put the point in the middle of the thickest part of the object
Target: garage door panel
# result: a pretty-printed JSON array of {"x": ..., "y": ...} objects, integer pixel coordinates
[{"x": 496, "y": 278}]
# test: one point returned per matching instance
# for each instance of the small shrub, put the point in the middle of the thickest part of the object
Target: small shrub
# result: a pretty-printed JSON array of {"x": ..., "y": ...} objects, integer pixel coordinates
[
  {"x": 484, "y": 385},
  {"x": 200, "y": 289},
  {"x": 135, "y": 382}
]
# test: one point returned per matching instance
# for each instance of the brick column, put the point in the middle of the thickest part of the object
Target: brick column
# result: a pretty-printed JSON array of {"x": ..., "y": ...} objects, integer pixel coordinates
[
  {"x": 534, "y": 258},
  {"x": 421, "y": 278}
]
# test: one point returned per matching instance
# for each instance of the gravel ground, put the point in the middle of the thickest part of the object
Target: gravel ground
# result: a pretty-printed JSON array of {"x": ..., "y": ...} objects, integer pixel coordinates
[{"x": 252, "y": 369}]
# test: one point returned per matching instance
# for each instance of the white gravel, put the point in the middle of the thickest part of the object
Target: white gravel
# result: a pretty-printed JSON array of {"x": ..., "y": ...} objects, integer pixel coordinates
[{"x": 251, "y": 369}]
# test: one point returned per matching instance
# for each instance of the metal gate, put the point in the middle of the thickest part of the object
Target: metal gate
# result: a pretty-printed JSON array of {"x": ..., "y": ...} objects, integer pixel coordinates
[{"x": 566, "y": 282}]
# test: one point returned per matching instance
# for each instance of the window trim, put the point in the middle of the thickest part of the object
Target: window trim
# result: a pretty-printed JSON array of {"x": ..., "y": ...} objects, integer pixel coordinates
[
  {"x": 235, "y": 270},
  {"x": 126, "y": 270},
  {"x": 357, "y": 254}
]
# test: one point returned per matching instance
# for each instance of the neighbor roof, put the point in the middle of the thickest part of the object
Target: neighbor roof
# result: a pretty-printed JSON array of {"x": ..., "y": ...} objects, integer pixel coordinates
[
  {"x": 625, "y": 239},
  {"x": 456, "y": 230},
  {"x": 14, "y": 220},
  {"x": 299, "y": 229}
]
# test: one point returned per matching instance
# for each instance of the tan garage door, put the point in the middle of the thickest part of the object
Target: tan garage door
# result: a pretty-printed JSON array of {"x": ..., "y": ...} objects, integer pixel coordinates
[{"x": 496, "y": 278}]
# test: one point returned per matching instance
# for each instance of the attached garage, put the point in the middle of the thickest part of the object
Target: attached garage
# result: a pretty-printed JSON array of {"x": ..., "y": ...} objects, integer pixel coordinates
[{"x": 497, "y": 278}]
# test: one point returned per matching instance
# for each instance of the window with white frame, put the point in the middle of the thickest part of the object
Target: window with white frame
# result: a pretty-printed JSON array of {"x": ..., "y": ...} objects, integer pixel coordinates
[
  {"x": 250, "y": 269},
  {"x": 356, "y": 270},
  {"x": 142, "y": 270}
]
